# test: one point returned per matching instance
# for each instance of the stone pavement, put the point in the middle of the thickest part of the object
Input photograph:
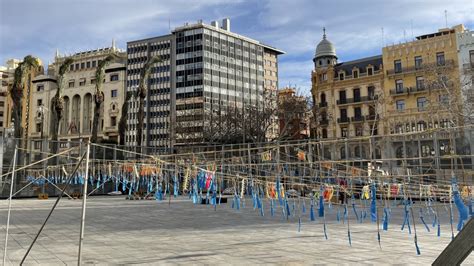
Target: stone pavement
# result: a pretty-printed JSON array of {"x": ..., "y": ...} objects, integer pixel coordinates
[{"x": 119, "y": 231}]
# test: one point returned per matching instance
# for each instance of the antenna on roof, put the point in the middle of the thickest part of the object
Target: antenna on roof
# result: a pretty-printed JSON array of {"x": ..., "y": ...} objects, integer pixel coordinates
[{"x": 446, "y": 17}]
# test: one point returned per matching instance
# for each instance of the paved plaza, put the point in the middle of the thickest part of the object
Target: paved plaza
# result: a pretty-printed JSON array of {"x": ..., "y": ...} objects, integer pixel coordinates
[{"x": 124, "y": 232}]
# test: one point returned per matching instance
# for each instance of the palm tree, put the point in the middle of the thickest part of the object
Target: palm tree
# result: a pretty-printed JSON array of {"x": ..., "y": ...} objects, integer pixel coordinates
[
  {"x": 122, "y": 126},
  {"x": 99, "y": 94},
  {"x": 24, "y": 69},
  {"x": 58, "y": 104},
  {"x": 142, "y": 92}
]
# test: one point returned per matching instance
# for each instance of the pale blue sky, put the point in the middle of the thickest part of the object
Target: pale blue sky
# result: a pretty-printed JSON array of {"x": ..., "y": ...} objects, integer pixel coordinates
[{"x": 38, "y": 27}]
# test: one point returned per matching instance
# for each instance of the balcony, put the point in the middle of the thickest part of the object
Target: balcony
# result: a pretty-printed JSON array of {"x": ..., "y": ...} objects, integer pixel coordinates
[
  {"x": 357, "y": 118},
  {"x": 323, "y": 104},
  {"x": 324, "y": 122},
  {"x": 344, "y": 101},
  {"x": 370, "y": 117},
  {"x": 414, "y": 69},
  {"x": 415, "y": 90},
  {"x": 343, "y": 120},
  {"x": 400, "y": 91}
]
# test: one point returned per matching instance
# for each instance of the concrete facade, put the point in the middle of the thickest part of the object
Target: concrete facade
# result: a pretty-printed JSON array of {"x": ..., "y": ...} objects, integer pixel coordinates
[
  {"x": 160, "y": 99},
  {"x": 207, "y": 69}
]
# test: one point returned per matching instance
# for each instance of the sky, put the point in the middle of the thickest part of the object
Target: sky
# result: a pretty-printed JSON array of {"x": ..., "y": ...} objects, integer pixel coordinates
[{"x": 39, "y": 27}]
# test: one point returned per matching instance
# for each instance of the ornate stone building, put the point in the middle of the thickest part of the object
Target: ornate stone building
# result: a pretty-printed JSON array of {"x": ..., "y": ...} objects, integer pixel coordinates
[
  {"x": 347, "y": 101},
  {"x": 78, "y": 93}
]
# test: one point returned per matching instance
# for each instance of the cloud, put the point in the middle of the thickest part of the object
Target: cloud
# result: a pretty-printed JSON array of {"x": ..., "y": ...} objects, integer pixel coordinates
[{"x": 355, "y": 27}]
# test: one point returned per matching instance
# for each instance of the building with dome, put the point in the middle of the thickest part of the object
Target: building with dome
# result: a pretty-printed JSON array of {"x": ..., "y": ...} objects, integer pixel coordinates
[{"x": 346, "y": 102}]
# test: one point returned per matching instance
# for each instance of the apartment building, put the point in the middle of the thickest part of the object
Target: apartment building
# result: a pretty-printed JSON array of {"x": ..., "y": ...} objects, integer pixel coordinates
[
  {"x": 422, "y": 87},
  {"x": 347, "y": 101},
  {"x": 6, "y": 79}
]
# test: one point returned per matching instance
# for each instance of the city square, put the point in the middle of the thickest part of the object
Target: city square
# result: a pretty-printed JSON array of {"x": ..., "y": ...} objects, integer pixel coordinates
[
  {"x": 125, "y": 232},
  {"x": 236, "y": 132}
]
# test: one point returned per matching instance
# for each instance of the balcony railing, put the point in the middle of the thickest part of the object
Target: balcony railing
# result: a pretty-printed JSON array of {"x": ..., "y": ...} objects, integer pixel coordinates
[
  {"x": 343, "y": 120},
  {"x": 418, "y": 89},
  {"x": 357, "y": 119},
  {"x": 413, "y": 69},
  {"x": 370, "y": 117},
  {"x": 399, "y": 91},
  {"x": 324, "y": 122},
  {"x": 323, "y": 104},
  {"x": 344, "y": 101}
]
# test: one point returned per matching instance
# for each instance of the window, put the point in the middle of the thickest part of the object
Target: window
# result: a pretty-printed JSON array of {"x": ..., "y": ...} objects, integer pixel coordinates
[
  {"x": 343, "y": 114},
  {"x": 114, "y": 93},
  {"x": 421, "y": 103},
  {"x": 83, "y": 65},
  {"x": 77, "y": 66},
  {"x": 421, "y": 126},
  {"x": 342, "y": 97},
  {"x": 418, "y": 62},
  {"x": 93, "y": 63},
  {"x": 40, "y": 87},
  {"x": 370, "y": 71},
  {"x": 82, "y": 82},
  {"x": 356, "y": 93},
  {"x": 38, "y": 127},
  {"x": 71, "y": 84},
  {"x": 400, "y": 105},
  {"x": 355, "y": 73},
  {"x": 341, "y": 76},
  {"x": 92, "y": 81},
  {"x": 425, "y": 150},
  {"x": 420, "y": 83},
  {"x": 71, "y": 67},
  {"x": 371, "y": 92},
  {"x": 325, "y": 133},
  {"x": 357, "y": 112},
  {"x": 444, "y": 99},
  {"x": 325, "y": 77},
  {"x": 114, "y": 77},
  {"x": 88, "y": 64},
  {"x": 399, "y": 86},
  {"x": 37, "y": 145},
  {"x": 358, "y": 131},
  {"x": 440, "y": 59},
  {"x": 344, "y": 132},
  {"x": 113, "y": 121},
  {"x": 39, "y": 102},
  {"x": 397, "y": 65}
]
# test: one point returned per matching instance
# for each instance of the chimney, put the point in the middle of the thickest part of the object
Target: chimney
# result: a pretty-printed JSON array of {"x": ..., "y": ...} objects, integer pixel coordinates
[
  {"x": 226, "y": 24},
  {"x": 215, "y": 23}
]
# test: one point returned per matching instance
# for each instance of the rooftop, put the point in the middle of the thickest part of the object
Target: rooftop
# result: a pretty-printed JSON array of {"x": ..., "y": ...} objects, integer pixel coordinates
[{"x": 361, "y": 64}]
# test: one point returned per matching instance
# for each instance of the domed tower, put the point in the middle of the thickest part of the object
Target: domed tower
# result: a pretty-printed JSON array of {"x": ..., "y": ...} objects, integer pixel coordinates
[{"x": 325, "y": 53}]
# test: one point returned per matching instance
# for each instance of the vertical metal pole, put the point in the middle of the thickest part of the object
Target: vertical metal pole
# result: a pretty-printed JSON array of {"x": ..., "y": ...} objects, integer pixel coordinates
[
  {"x": 84, "y": 199},
  {"x": 9, "y": 207}
]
